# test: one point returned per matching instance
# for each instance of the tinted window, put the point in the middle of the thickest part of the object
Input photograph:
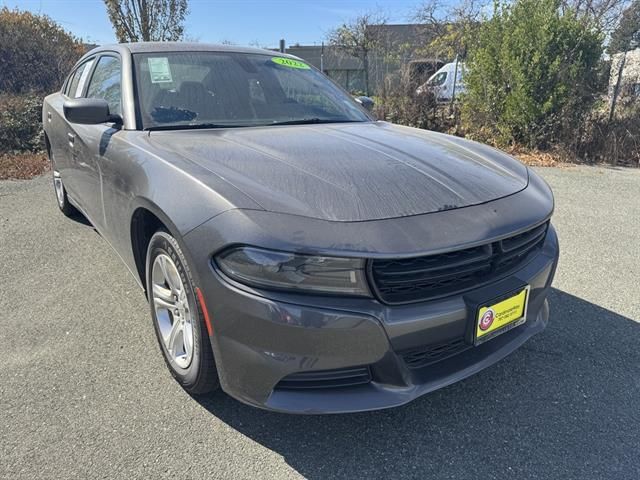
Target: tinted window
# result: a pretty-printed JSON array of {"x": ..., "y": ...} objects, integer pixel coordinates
[
  {"x": 105, "y": 83},
  {"x": 236, "y": 89},
  {"x": 78, "y": 80}
]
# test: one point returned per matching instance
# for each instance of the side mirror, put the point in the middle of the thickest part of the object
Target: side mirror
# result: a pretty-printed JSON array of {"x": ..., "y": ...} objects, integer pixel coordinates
[
  {"x": 366, "y": 102},
  {"x": 89, "y": 111}
]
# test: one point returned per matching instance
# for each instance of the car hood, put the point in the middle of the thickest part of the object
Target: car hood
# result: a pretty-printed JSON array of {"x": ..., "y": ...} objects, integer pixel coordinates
[{"x": 350, "y": 172}]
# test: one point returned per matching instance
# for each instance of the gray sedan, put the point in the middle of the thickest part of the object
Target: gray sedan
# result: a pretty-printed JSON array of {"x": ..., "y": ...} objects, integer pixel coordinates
[{"x": 295, "y": 252}]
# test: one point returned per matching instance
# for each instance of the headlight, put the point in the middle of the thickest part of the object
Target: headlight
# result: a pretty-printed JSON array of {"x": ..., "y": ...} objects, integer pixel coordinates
[{"x": 282, "y": 270}]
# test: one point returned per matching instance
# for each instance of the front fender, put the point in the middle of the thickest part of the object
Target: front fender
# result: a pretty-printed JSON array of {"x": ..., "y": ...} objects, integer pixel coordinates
[{"x": 181, "y": 194}]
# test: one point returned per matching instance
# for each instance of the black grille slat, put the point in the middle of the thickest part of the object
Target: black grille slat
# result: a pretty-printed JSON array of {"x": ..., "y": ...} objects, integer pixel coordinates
[
  {"x": 430, "y": 354},
  {"x": 514, "y": 254},
  {"x": 517, "y": 241},
  {"x": 421, "y": 278},
  {"x": 392, "y": 268},
  {"x": 441, "y": 276},
  {"x": 345, "y": 377},
  {"x": 322, "y": 376}
]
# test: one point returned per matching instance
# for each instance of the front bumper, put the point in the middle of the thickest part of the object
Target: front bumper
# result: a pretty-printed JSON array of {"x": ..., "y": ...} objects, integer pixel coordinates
[{"x": 260, "y": 338}]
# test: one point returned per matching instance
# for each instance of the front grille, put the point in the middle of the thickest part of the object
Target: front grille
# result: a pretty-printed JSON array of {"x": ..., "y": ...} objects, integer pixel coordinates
[
  {"x": 343, "y": 377},
  {"x": 426, "y": 355},
  {"x": 422, "y": 278}
]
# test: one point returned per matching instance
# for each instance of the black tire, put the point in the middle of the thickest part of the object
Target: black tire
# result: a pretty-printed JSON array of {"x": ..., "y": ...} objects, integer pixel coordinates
[
  {"x": 201, "y": 375},
  {"x": 61, "y": 197}
]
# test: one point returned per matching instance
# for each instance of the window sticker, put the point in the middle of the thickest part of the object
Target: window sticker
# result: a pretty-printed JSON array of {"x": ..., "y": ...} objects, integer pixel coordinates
[
  {"x": 83, "y": 79},
  {"x": 159, "y": 70},
  {"x": 291, "y": 63}
]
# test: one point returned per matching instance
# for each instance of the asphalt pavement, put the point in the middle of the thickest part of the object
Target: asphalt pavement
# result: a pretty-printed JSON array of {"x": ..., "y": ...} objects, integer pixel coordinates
[{"x": 84, "y": 392}]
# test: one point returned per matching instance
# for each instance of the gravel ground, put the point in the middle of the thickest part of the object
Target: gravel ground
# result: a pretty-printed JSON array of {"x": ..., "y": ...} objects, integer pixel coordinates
[{"x": 84, "y": 392}]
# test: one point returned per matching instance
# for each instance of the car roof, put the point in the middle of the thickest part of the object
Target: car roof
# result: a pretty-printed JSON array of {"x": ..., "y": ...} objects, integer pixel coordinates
[
  {"x": 452, "y": 66},
  {"x": 153, "y": 47}
]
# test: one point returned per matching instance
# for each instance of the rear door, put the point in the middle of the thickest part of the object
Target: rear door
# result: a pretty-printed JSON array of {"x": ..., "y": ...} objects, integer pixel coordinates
[
  {"x": 92, "y": 145},
  {"x": 62, "y": 133}
]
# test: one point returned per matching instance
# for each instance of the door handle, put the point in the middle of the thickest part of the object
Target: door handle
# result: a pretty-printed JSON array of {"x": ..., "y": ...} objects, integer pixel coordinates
[
  {"x": 49, "y": 116},
  {"x": 72, "y": 138}
]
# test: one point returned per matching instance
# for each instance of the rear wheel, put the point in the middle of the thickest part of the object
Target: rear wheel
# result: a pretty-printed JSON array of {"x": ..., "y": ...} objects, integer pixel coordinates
[
  {"x": 61, "y": 196},
  {"x": 177, "y": 316}
]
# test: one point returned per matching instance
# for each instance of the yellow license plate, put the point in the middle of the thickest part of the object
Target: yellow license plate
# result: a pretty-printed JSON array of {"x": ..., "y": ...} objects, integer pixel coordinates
[{"x": 497, "y": 318}]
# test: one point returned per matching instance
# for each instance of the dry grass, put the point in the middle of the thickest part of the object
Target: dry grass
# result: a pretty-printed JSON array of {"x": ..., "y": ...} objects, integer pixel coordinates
[
  {"x": 537, "y": 158},
  {"x": 23, "y": 166},
  {"x": 555, "y": 157}
]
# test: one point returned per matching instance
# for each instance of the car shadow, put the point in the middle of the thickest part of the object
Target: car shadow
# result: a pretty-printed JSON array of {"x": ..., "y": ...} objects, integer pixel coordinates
[
  {"x": 79, "y": 217},
  {"x": 565, "y": 405},
  {"x": 105, "y": 138}
]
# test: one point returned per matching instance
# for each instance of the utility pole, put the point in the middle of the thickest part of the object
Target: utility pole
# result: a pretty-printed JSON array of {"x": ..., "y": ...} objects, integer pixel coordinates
[
  {"x": 455, "y": 81},
  {"x": 282, "y": 45}
]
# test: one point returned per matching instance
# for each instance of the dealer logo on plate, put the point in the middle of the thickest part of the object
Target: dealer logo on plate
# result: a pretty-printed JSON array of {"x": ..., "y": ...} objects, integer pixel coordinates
[{"x": 487, "y": 319}]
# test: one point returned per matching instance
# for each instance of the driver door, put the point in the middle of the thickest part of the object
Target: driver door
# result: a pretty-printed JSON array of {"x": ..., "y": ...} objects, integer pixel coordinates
[{"x": 92, "y": 143}]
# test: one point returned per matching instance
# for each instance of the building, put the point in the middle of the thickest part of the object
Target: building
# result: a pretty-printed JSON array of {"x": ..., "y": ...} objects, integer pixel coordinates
[
  {"x": 343, "y": 68},
  {"x": 400, "y": 45}
]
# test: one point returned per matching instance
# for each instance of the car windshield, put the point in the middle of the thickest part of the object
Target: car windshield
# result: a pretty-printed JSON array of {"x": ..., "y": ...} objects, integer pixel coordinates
[{"x": 224, "y": 89}]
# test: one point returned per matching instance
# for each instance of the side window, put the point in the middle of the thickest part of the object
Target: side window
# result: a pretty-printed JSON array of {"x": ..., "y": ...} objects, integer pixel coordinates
[
  {"x": 105, "y": 83},
  {"x": 439, "y": 79},
  {"x": 78, "y": 80}
]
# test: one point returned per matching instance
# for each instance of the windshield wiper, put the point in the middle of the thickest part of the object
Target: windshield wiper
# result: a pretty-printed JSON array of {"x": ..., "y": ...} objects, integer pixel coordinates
[
  {"x": 191, "y": 126},
  {"x": 309, "y": 121},
  {"x": 194, "y": 126}
]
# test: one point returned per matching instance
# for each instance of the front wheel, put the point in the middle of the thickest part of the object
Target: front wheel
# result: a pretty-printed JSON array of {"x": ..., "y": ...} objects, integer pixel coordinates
[{"x": 177, "y": 316}]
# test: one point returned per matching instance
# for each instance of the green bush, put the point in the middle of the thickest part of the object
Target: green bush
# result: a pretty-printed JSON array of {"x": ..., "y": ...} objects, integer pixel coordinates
[
  {"x": 36, "y": 54},
  {"x": 20, "y": 123},
  {"x": 533, "y": 75}
]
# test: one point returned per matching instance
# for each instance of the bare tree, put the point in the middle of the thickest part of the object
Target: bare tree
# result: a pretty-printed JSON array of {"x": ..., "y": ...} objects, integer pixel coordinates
[
  {"x": 358, "y": 39},
  {"x": 256, "y": 44},
  {"x": 147, "y": 20},
  {"x": 605, "y": 14},
  {"x": 627, "y": 33},
  {"x": 451, "y": 24}
]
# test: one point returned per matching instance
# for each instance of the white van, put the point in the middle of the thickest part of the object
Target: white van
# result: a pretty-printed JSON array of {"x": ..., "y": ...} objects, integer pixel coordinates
[{"x": 441, "y": 83}]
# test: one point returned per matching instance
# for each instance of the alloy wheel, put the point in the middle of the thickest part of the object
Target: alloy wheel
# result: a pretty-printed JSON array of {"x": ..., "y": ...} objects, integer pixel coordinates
[{"x": 173, "y": 314}]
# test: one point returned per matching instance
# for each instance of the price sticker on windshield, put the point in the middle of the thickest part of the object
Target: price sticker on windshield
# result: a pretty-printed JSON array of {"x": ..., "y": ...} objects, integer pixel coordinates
[
  {"x": 159, "y": 70},
  {"x": 290, "y": 62}
]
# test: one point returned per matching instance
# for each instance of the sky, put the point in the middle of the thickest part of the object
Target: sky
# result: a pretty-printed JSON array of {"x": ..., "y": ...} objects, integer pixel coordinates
[{"x": 243, "y": 22}]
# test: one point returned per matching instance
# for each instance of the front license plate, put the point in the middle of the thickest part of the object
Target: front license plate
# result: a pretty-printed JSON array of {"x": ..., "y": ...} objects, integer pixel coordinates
[{"x": 494, "y": 319}]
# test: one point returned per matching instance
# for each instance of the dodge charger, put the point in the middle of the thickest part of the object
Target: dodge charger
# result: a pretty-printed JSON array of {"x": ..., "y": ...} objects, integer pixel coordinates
[{"x": 295, "y": 252}]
